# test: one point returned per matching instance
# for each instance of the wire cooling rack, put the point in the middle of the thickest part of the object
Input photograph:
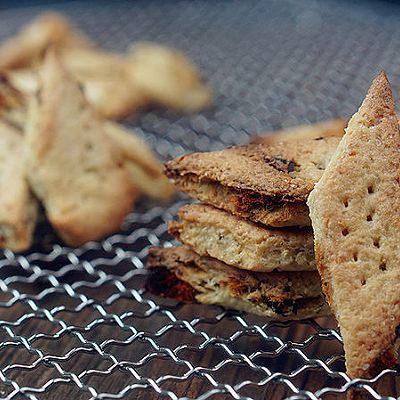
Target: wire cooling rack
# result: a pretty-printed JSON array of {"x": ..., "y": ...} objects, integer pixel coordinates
[{"x": 77, "y": 323}]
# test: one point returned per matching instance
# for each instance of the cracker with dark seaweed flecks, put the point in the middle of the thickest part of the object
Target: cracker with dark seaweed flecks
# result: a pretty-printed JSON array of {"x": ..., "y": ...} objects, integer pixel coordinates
[
  {"x": 180, "y": 273},
  {"x": 263, "y": 183}
]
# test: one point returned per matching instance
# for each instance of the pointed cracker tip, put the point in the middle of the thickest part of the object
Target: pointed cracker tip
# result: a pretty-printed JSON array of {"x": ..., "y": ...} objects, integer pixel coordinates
[
  {"x": 380, "y": 85},
  {"x": 379, "y": 101},
  {"x": 381, "y": 76}
]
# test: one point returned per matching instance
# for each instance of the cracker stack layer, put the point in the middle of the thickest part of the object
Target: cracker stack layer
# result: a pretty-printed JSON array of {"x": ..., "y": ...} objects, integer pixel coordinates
[
  {"x": 355, "y": 212},
  {"x": 267, "y": 184},
  {"x": 247, "y": 246},
  {"x": 180, "y": 273},
  {"x": 241, "y": 243}
]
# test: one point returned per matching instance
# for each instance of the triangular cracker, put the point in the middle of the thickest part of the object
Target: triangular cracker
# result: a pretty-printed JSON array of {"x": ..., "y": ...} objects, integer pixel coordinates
[
  {"x": 75, "y": 168},
  {"x": 264, "y": 183},
  {"x": 355, "y": 213}
]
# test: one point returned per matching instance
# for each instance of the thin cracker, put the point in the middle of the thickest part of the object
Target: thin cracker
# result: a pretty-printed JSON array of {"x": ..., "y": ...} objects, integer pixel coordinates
[
  {"x": 180, "y": 273},
  {"x": 266, "y": 184},
  {"x": 242, "y": 243},
  {"x": 355, "y": 210},
  {"x": 75, "y": 169}
]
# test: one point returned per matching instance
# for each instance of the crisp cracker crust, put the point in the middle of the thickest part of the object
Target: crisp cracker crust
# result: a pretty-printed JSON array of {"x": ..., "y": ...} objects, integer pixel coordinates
[
  {"x": 75, "y": 168},
  {"x": 245, "y": 204},
  {"x": 266, "y": 184},
  {"x": 241, "y": 243},
  {"x": 355, "y": 212},
  {"x": 180, "y": 273}
]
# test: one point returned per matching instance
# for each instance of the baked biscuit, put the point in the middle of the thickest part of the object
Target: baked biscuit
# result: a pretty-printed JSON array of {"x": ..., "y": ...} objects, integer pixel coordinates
[
  {"x": 112, "y": 96},
  {"x": 333, "y": 127},
  {"x": 266, "y": 184},
  {"x": 241, "y": 243},
  {"x": 180, "y": 273},
  {"x": 18, "y": 208},
  {"x": 144, "y": 169},
  {"x": 355, "y": 213},
  {"x": 74, "y": 167},
  {"x": 168, "y": 78},
  {"x": 103, "y": 76},
  {"x": 106, "y": 81}
]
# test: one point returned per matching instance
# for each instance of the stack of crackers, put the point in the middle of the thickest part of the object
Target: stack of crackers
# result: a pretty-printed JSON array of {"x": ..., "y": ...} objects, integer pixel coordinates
[{"x": 249, "y": 245}]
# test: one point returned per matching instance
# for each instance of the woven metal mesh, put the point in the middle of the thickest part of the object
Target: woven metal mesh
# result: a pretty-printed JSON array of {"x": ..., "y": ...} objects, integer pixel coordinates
[{"x": 77, "y": 323}]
